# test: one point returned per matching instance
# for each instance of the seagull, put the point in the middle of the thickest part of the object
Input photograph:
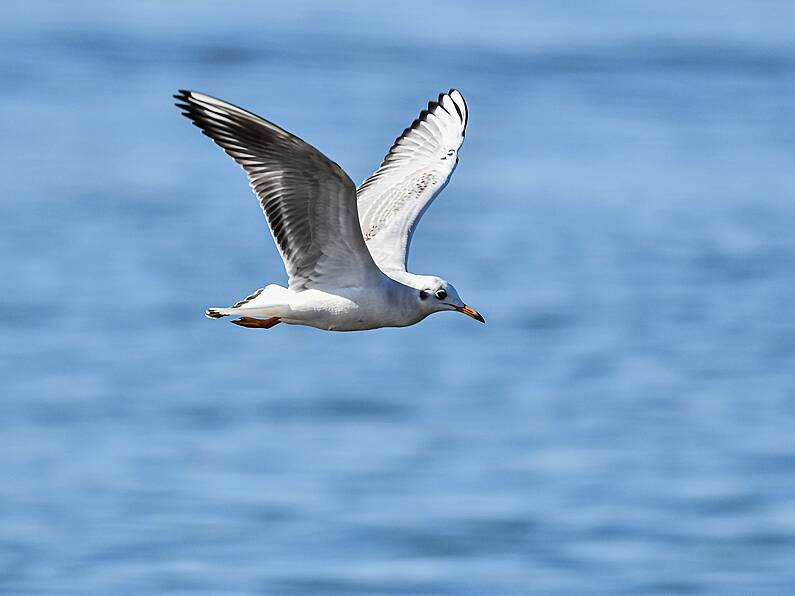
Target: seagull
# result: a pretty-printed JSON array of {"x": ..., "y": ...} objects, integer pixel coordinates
[{"x": 345, "y": 249}]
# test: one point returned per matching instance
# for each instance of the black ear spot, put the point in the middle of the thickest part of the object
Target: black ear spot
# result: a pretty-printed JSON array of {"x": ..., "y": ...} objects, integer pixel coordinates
[{"x": 423, "y": 294}]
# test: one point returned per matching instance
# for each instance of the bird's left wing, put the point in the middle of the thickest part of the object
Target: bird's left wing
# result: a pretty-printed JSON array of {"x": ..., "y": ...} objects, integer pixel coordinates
[
  {"x": 413, "y": 173},
  {"x": 308, "y": 201}
]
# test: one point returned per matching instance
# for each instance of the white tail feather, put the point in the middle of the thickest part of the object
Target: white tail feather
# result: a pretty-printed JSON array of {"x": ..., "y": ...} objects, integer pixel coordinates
[{"x": 271, "y": 301}]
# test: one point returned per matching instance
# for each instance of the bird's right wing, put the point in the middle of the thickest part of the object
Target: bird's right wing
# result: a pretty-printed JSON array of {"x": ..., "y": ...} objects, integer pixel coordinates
[
  {"x": 308, "y": 200},
  {"x": 413, "y": 173}
]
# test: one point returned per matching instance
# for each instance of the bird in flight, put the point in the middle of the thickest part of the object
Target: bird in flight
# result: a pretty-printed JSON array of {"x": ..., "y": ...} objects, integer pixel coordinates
[{"x": 345, "y": 249}]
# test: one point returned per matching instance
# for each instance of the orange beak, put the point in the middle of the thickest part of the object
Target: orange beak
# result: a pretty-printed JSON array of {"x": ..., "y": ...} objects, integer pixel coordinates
[{"x": 470, "y": 312}]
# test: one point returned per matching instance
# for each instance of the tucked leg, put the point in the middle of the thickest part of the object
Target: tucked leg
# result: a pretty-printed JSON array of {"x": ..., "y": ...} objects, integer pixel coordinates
[{"x": 257, "y": 323}]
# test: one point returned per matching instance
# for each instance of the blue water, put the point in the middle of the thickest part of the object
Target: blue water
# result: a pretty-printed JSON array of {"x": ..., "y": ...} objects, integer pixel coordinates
[{"x": 622, "y": 215}]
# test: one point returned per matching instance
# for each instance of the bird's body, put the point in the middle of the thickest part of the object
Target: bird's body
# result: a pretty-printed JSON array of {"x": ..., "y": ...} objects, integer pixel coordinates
[
  {"x": 346, "y": 260},
  {"x": 388, "y": 304}
]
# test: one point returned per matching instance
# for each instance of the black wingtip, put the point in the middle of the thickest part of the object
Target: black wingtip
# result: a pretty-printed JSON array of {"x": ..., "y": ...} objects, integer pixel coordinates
[
  {"x": 184, "y": 96},
  {"x": 432, "y": 105},
  {"x": 465, "y": 115}
]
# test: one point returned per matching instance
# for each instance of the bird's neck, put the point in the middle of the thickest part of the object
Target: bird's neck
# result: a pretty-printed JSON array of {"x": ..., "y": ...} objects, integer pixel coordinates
[{"x": 401, "y": 291}]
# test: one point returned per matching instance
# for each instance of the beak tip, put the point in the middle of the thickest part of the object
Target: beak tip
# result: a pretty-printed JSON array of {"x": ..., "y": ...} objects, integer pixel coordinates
[{"x": 471, "y": 312}]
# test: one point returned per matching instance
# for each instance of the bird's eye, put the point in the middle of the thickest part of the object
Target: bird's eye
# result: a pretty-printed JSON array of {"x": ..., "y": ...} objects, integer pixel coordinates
[
  {"x": 441, "y": 294},
  {"x": 423, "y": 294}
]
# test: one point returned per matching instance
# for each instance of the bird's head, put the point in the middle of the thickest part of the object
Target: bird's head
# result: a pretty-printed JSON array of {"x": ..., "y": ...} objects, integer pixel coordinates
[{"x": 435, "y": 295}]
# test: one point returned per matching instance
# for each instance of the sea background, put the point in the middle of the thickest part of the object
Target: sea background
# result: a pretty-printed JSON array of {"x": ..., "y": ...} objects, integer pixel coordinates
[{"x": 622, "y": 216}]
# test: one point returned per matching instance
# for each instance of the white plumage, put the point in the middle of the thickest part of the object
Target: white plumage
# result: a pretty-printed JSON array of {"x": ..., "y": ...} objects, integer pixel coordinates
[
  {"x": 346, "y": 266},
  {"x": 413, "y": 173}
]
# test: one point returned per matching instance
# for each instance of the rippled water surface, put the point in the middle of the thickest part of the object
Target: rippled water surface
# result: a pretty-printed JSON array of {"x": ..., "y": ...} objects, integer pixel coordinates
[{"x": 622, "y": 216}]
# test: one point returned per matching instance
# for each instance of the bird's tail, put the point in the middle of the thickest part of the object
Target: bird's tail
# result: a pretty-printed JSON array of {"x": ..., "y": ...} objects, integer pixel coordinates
[{"x": 264, "y": 308}]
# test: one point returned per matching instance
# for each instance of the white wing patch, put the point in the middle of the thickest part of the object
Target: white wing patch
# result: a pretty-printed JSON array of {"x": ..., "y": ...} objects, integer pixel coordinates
[
  {"x": 395, "y": 200},
  {"x": 415, "y": 170}
]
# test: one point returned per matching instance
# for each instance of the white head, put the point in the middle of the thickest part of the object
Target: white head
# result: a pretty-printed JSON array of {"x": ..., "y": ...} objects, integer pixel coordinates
[{"x": 435, "y": 295}]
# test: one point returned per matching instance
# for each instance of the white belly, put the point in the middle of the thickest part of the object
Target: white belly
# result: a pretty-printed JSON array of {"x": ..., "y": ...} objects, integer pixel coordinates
[{"x": 348, "y": 310}]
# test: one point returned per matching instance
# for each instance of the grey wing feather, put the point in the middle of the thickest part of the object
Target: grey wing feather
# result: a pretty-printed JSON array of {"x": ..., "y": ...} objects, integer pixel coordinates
[{"x": 308, "y": 200}]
